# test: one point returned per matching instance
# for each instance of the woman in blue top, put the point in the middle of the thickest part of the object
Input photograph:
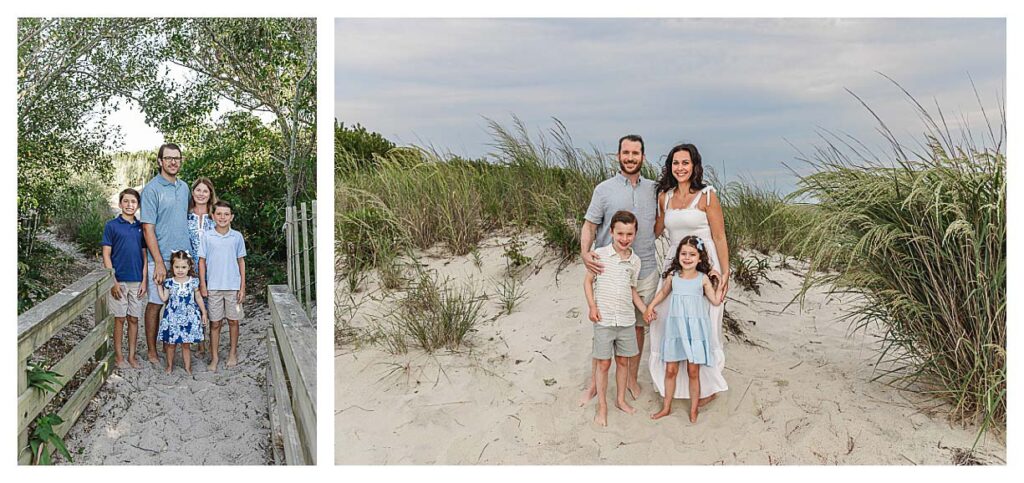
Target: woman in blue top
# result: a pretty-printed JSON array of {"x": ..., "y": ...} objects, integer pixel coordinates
[{"x": 199, "y": 221}]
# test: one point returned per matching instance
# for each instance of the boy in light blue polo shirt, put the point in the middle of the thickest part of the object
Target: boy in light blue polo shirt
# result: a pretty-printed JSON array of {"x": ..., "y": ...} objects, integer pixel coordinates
[{"x": 222, "y": 279}]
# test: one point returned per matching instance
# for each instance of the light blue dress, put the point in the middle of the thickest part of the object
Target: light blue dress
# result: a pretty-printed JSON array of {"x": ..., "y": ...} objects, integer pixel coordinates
[
  {"x": 688, "y": 326},
  {"x": 181, "y": 322}
]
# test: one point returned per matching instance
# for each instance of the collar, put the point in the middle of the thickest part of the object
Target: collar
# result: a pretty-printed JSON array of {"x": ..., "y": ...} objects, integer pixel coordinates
[
  {"x": 217, "y": 233},
  {"x": 639, "y": 181},
  {"x": 120, "y": 219},
  {"x": 163, "y": 181}
]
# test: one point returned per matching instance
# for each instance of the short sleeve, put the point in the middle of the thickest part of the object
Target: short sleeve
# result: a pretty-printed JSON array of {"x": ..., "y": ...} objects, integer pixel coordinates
[
  {"x": 239, "y": 247},
  {"x": 202, "y": 247},
  {"x": 595, "y": 212},
  {"x": 108, "y": 235},
  {"x": 193, "y": 283},
  {"x": 149, "y": 205},
  {"x": 168, "y": 283}
]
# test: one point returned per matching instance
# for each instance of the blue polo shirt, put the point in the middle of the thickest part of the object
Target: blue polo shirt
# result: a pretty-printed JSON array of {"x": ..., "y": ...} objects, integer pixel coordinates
[
  {"x": 126, "y": 243},
  {"x": 616, "y": 193},
  {"x": 165, "y": 206},
  {"x": 222, "y": 253}
]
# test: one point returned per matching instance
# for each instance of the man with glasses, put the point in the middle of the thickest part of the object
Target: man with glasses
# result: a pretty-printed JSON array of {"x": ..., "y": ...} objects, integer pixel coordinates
[{"x": 164, "y": 216}]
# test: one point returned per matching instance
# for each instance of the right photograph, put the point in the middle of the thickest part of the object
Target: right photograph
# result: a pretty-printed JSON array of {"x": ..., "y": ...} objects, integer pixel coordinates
[{"x": 670, "y": 241}]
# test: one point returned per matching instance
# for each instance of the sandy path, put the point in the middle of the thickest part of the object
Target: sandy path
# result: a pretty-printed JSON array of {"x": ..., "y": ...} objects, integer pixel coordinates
[
  {"x": 802, "y": 395},
  {"x": 146, "y": 417}
]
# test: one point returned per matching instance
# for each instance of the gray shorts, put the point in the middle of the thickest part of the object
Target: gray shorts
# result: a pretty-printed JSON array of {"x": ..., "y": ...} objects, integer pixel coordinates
[
  {"x": 223, "y": 304},
  {"x": 154, "y": 294},
  {"x": 130, "y": 304},
  {"x": 647, "y": 288},
  {"x": 614, "y": 340}
]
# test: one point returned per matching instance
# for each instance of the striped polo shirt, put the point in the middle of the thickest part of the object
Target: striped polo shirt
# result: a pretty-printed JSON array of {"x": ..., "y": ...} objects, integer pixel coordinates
[{"x": 613, "y": 288}]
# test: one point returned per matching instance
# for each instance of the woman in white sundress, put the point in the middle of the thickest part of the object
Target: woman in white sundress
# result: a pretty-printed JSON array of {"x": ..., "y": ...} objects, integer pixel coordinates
[{"x": 686, "y": 206}]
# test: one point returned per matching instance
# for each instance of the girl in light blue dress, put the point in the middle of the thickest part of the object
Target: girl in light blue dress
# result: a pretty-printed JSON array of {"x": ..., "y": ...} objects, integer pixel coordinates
[
  {"x": 184, "y": 311},
  {"x": 688, "y": 325}
]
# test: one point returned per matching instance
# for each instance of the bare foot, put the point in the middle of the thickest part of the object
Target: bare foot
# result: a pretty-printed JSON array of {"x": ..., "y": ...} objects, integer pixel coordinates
[
  {"x": 602, "y": 417},
  {"x": 213, "y": 365},
  {"x": 120, "y": 363},
  {"x": 634, "y": 390},
  {"x": 152, "y": 358},
  {"x": 704, "y": 400},
  {"x": 232, "y": 361},
  {"x": 168, "y": 370},
  {"x": 625, "y": 407},
  {"x": 693, "y": 415},
  {"x": 660, "y": 414},
  {"x": 134, "y": 363},
  {"x": 588, "y": 394}
]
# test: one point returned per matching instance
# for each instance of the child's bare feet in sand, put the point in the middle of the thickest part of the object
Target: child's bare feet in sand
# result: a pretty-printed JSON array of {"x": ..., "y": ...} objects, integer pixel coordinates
[
  {"x": 602, "y": 417},
  {"x": 634, "y": 390},
  {"x": 168, "y": 370},
  {"x": 660, "y": 414},
  {"x": 121, "y": 364},
  {"x": 134, "y": 363},
  {"x": 232, "y": 361},
  {"x": 588, "y": 394},
  {"x": 153, "y": 359},
  {"x": 625, "y": 407},
  {"x": 693, "y": 414},
  {"x": 213, "y": 365},
  {"x": 704, "y": 400}
]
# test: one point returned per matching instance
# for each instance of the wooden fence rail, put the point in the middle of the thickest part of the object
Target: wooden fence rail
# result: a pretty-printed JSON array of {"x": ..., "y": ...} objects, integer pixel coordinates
[
  {"x": 38, "y": 325},
  {"x": 291, "y": 379},
  {"x": 300, "y": 237}
]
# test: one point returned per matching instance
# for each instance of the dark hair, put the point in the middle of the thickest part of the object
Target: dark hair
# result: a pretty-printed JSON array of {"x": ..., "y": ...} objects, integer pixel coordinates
[
  {"x": 129, "y": 191},
  {"x": 703, "y": 265},
  {"x": 223, "y": 204},
  {"x": 160, "y": 152},
  {"x": 183, "y": 255},
  {"x": 631, "y": 137},
  {"x": 213, "y": 194},
  {"x": 625, "y": 217},
  {"x": 668, "y": 181}
]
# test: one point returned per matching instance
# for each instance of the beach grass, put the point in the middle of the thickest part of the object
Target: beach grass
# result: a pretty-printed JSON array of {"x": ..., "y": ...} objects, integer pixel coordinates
[{"x": 921, "y": 233}]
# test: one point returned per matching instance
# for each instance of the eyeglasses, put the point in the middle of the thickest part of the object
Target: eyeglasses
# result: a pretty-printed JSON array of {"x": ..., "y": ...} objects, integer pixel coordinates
[{"x": 173, "y": 160}]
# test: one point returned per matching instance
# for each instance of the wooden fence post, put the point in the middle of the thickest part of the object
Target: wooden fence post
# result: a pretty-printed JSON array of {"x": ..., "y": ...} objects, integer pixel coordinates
[
  {"x": 307, "y": 283},
  {"x": 288, "y": 242}
]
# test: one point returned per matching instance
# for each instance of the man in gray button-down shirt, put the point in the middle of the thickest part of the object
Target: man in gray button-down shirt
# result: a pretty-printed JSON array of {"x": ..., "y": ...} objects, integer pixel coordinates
[{"x": 627, "y": 190}]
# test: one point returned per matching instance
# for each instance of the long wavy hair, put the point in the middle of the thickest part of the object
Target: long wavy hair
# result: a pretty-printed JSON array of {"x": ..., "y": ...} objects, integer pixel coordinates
[
  {"x": 668, "y": 181},
  {"x": 703, "y": 264}
]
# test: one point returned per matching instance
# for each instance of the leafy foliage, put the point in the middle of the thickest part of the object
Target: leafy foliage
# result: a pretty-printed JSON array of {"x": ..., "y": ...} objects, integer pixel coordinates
[
  {"x": 357, "y": 145},
  {"x": 44, "y": 436},
  {"x": 43, "y": 379}
]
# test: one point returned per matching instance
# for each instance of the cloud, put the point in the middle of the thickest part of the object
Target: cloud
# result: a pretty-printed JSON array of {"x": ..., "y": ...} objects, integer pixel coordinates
[{"x": 739, "y": 88}]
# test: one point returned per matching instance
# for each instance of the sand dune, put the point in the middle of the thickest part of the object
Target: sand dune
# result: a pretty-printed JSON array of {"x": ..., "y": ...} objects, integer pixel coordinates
[{"x": 800, "y": 387}]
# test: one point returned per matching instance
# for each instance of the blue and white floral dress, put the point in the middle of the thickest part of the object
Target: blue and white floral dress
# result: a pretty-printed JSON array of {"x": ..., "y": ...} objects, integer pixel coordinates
[
  {"x": 196, "y": 234},
  {"x": 182, "y": 320}
]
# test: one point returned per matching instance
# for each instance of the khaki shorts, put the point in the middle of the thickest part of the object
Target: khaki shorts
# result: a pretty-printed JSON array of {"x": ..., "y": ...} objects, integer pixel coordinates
[
  {"x": 130, "y": 304},
  {"x": 614, "y": 340},
  {"x": 223, "y": 304},
  {"x": 646, "y": 287}
]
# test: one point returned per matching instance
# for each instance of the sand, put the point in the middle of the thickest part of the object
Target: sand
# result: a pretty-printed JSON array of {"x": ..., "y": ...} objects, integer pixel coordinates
[
  {"x": 800, "y": 387},
  {"x": 146, "y": 417}
]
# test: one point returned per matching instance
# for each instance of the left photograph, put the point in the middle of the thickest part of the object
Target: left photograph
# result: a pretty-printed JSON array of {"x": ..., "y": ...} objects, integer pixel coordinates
[{"x": 166, "y": 241}]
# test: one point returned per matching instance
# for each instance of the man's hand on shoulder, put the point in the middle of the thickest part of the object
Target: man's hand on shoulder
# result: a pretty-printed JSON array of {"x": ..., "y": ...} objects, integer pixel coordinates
[{"x": 591, "y": 260}]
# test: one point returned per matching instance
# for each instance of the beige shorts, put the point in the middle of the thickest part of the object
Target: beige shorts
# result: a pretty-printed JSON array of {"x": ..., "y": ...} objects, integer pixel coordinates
[
  {"x": 223, "y": 304},
  {"x": 130, "y": 304},
  {"x": 646, "y": 287}
]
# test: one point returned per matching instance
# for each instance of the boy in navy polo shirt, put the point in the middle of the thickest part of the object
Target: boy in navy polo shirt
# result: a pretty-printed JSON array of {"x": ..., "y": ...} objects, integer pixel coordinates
[
  {"x": 222, "y": 279},
  {"x": 124, "y": 254}
]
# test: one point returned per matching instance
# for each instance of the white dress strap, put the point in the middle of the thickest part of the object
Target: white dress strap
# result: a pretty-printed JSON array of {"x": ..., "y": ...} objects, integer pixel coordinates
[
  {"x": 693, "y": 204},
  {"x": 706, "y": 191},
  {"x": 668, "y": 198}
]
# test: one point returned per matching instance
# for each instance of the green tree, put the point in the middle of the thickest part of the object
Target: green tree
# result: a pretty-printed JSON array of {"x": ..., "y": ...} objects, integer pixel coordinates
[{"x": 355, "y": 147}]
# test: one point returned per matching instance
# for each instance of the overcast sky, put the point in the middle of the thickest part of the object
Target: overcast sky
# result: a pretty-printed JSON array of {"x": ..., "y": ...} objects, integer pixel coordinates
[{"x": 742, "y": 90}]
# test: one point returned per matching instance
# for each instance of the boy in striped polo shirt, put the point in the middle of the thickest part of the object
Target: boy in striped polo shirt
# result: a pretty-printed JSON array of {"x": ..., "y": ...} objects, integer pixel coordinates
[{"x": 611, "y": 297}]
